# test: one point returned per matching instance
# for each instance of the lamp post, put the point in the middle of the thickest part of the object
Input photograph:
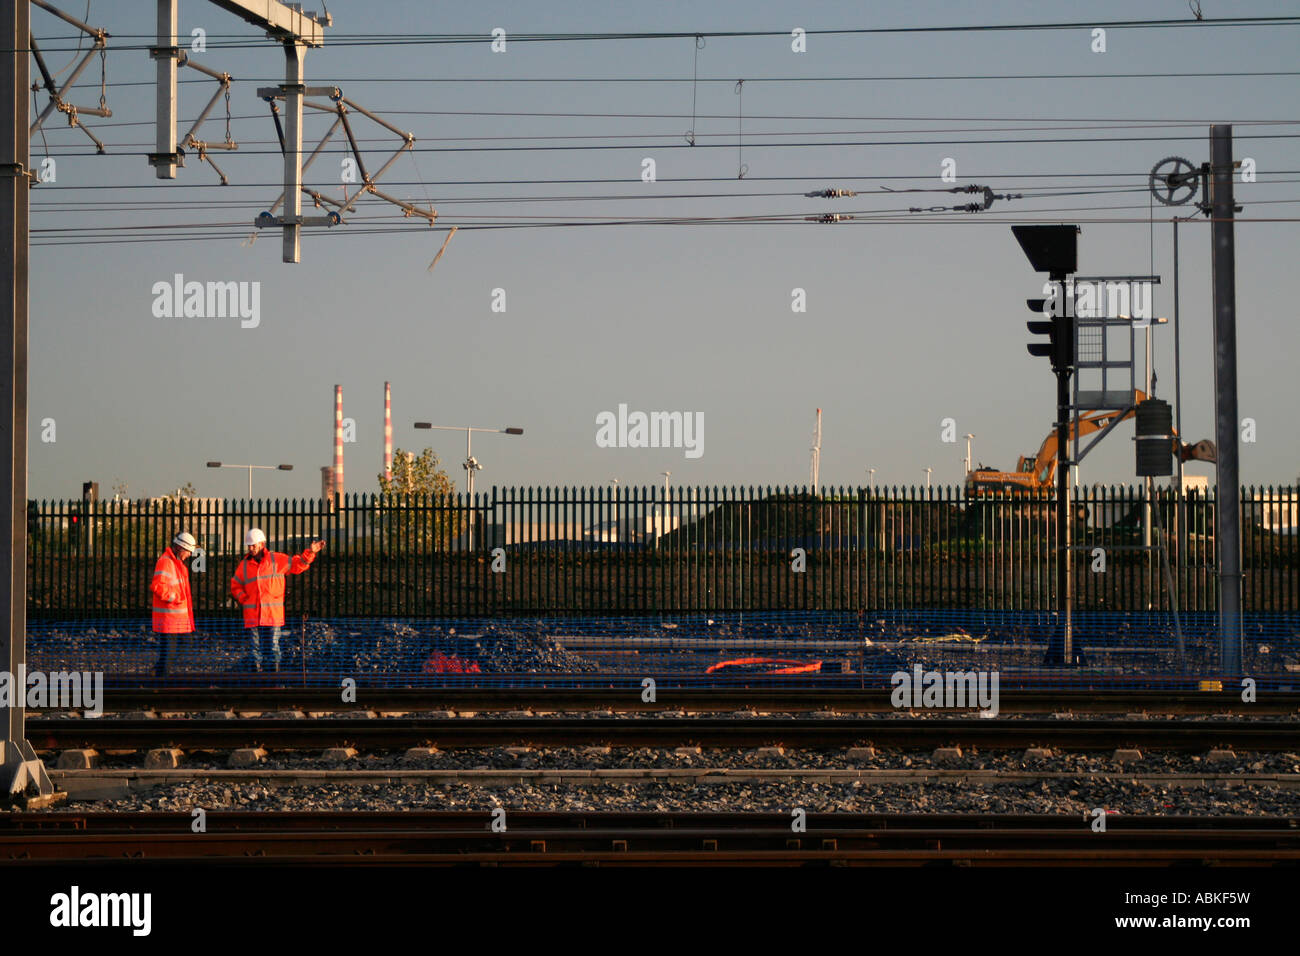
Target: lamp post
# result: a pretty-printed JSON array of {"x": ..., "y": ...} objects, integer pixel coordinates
[
  {"x": 927, "y": 477},
  {"x": 217, "y": 464},
  {"x": 470, "y": 464},
  {"x": 968, "y": 457}
]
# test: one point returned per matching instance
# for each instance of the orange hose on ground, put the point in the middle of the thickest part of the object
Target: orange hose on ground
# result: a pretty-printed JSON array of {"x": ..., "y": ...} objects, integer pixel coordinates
[{"x": 795, "y": 667}]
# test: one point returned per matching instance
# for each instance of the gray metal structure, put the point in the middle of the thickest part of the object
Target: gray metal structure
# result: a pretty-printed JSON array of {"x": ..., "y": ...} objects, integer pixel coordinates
[
  {"x": 99, "y": 39},
  {"x": 21, "y": 771},
  {"x": 295, "y": 31},
  {"x": 1228, "y": 493},
  {"x": 340, "y": 106},
  {"x": 1093, "y": 353}
]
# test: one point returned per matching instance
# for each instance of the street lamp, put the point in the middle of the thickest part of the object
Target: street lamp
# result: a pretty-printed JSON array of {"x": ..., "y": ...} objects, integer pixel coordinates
[
  {"x": 871, "y": 479},
  {"x": 968, "y": 457},
  {"x": 470, "y": 464},
  {"x": 217, "y": 464},
  {"x": 927, "y": 476}
]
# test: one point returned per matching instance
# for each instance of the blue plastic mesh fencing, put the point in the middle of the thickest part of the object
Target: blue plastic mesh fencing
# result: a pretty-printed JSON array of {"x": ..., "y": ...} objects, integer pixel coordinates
[{"x": 775, "y": 649}]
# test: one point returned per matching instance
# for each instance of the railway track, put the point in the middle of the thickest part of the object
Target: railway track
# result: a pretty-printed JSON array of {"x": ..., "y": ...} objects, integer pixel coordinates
[
  {"x": 772, "y": 699},
  {"x": 639, "y": 839},
  {"x": 812, "y": 733}
]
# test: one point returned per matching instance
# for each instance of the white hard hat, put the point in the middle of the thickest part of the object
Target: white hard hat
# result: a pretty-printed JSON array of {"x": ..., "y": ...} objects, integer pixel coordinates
[
  {"x": 184, "y": 541},
  {"x": 254, "y": 536}
]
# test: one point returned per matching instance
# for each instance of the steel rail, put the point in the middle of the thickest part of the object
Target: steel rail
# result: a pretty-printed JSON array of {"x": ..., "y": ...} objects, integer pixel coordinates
[
  {"x": 638, "y": 839},
  {"x": 902, "y": 732},
  {"x": 697, "y": 699}
]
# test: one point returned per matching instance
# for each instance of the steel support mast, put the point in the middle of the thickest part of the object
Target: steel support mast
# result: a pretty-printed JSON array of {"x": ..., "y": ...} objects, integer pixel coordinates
[
  {"x": 1228, "y": 492},
  {"x": 20, "y": 769}
]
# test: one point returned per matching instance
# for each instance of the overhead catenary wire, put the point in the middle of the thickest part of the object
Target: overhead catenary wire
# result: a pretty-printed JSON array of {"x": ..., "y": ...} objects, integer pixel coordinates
[
  {"x": 113, "y": 234},
  {"x": 397, "y": 231},
  {"x": 624, "y": 180},
  {"x": 769, "y": 139},
  {"x": 1044, "y": 192},
  {"x": 875, "y": 78},
  {"x": 407, "y": 39},
  {"x": 1002, "y": 141}
]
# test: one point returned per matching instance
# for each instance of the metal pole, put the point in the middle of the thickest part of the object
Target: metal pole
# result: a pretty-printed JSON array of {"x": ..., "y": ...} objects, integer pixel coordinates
[
  {"x": 1228, "y": 492},
  {"x": 294, "y": 53},
  {"x": 1180, "y": 516},
  {"x": 469, "y": 485},
  {"x": 20, "y": 768},
  {"x": 1149, "y": 487},
  {"x": 250, "y": 482},
  {"x": 165, "y": 54},
  {"x": 1063, "y": 651}
]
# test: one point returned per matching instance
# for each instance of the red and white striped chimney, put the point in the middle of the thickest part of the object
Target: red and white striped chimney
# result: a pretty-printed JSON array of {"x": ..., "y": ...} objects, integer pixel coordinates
[
  {"x": 338, "y": 439},
  {"x": 388, "y": 432}
]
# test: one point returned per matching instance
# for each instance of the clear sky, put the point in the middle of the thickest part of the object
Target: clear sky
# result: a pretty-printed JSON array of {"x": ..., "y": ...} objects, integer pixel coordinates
[{"x": 911, "y": 318}]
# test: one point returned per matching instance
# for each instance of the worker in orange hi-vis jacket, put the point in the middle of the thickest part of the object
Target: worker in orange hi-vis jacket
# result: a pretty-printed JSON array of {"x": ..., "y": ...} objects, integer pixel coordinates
[
  {"x": 258, "y": 586},
  {"x": 173, "y": 612}
]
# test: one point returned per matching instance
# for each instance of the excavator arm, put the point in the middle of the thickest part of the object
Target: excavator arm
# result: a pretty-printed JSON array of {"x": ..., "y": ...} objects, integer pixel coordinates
[
  {"x": 1043, "y": 466},
  {"x": 1041, "y": 469}
]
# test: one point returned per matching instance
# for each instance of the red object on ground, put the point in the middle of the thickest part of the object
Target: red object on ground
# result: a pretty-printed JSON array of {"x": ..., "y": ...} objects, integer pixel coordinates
[
  {"x": 440, "y": 663},
  {"x": 794, "y": 667}
]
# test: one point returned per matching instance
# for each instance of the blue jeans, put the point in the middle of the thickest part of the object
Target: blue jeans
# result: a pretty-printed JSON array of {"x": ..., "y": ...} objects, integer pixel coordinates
[{"x": 256, "y": 634}]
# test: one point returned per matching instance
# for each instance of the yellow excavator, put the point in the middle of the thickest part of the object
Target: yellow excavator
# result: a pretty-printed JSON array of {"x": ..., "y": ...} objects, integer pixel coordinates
[{"x": 1037, "y": 475}]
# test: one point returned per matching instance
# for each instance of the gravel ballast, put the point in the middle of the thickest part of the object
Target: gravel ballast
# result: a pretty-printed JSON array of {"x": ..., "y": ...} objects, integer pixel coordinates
[{"x": 1076, "y": 796}]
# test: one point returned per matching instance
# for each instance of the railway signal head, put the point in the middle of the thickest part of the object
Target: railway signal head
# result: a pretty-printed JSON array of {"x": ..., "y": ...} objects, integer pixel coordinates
[
  {"x": 1060, "y": 332},
  {"x": 1050, "y": 249},
  {"x": 1054, "y": 250}
]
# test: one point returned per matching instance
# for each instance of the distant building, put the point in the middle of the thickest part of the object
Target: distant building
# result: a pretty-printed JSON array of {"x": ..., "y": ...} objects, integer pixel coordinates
[{"x": 643, "y": 529}]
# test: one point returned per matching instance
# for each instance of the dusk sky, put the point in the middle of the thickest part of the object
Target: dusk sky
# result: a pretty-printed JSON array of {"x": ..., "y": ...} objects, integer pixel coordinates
[{"x": 911, "y": 318}]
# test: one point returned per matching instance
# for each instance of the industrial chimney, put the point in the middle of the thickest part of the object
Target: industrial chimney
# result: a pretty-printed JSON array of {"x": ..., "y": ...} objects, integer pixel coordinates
[
  {"x": 388, "y": 432},
  {"x": 338, "y": 439}
]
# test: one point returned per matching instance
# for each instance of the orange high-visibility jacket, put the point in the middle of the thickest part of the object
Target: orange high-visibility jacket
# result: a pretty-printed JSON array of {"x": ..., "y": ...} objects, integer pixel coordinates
[
  {"x": 172, "y": 610},
  {"x": 258, "y": 585}
]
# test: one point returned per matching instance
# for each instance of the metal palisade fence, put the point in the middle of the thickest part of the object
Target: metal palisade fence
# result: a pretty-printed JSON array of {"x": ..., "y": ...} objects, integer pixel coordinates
[{"x": 575, "y": 551}]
